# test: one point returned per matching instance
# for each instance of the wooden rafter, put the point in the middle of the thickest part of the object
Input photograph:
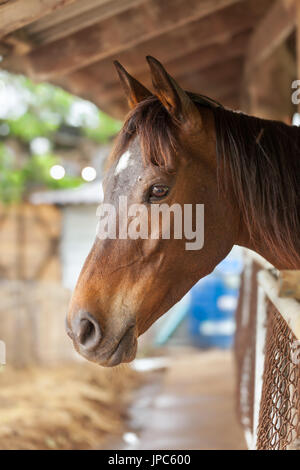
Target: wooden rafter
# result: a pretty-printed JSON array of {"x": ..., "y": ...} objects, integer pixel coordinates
[
  {"x": 111, "y": 36},
  {"x": 208, "y": 38},
  {"x": 17, "y": 13},
  {"x": 272, "y": 30},
  {"x": 198, "y": 63},
  {"x": 80, "y": 15},
  {"x": 202, "y": 43},
  {"x": 228, "y": 96},
  {"x": 221, "y": 83},
  {"x": 203, "y": 80}
]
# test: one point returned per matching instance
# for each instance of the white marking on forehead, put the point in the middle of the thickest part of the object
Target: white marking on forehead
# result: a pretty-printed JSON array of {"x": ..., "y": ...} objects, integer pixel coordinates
[{"x": 123, "y": 162}]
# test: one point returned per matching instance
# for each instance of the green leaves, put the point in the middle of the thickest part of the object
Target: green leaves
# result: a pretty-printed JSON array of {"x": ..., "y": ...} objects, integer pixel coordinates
[
  {"x": 28, "y": 111},
  {"x": 29, "y": 126},
  {"x": 34, "y": 110},
  {"x": 16, "y": 183}
]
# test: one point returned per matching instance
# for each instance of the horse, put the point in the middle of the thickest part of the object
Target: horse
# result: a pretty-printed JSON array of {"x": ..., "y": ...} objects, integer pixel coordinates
[{"x": 180, "y": 147}]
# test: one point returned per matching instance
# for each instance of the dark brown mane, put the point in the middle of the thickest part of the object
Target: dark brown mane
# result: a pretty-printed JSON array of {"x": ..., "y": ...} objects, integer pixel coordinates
[{"x": 261, "y": 158}]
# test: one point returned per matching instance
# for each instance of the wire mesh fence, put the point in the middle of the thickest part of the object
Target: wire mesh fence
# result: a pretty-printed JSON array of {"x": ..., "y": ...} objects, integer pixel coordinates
[
  {"x": 268, "y": 366},
  {"x": 279, "y": 423}
]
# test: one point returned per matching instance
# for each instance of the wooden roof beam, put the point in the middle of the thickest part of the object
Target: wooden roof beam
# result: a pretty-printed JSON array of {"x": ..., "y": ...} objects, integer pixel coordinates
[
  {"x": 17, "y": 13},
  {"x": 215, "y": 34},
  {"x": 198, "y": 61},
  {"x": 228, "y": 97},
  {"x": 209, "y": 79},
  {"x": 272, "y": 30},
  {"x": 113, "y": 35},
  {"x": 216, "y": 82},
  {"x": 80, "y": 16}
]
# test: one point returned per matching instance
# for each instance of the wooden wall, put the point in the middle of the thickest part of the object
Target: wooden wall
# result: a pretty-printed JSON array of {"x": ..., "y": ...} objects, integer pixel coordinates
[
  {"x": 29, "y": 242},
  {"x": 32, "y": 323}
]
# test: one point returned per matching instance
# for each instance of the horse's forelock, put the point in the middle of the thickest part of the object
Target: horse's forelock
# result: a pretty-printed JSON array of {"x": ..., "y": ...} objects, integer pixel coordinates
[{"x": 156, "y": 130}]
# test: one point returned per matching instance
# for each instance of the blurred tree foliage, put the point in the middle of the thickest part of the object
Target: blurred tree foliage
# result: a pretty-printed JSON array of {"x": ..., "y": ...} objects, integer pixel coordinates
[{"x": 29, "y": 111}]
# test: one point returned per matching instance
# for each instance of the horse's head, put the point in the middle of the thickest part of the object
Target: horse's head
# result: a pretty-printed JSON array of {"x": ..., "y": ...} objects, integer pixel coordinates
[{"x": 165, "y": 153}]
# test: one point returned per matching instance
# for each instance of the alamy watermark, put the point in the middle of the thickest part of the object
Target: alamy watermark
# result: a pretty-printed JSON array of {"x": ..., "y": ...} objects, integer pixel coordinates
[
  {"x": 132, "y": 222},
  {"x": 296, "y": 94}
]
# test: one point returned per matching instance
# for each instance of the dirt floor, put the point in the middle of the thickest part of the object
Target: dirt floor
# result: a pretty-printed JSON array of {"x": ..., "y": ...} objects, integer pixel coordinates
[{"x": 190, "y": 406}]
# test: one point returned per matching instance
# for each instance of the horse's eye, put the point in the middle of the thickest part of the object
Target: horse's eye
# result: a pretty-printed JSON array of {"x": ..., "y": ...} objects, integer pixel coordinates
[{"x": 158, "y": 191}]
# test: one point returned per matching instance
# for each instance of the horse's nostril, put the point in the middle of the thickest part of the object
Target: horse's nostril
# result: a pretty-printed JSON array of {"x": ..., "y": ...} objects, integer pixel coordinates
[{"x": 88, "y": 332}]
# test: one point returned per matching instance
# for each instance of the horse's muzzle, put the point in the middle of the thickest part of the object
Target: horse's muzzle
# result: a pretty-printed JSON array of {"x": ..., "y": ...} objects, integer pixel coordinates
[{"x": 95, "y": 346}]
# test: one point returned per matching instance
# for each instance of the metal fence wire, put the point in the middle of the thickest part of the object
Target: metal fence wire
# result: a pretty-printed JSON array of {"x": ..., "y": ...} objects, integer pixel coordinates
[
  {"x": 271, "y": 421},
  {"x": 279, "y": 418}
]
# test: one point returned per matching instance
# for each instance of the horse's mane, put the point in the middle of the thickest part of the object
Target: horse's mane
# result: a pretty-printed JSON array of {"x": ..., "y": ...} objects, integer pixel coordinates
[{"x": 261, "y": 158}]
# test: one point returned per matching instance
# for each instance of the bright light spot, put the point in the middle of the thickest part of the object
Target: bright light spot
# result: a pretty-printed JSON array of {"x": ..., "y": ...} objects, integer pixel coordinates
[
  {"x": 296, "y": 119},
  {"x": 88, "y": 173},
  {"x": 12, "y": 104},
  {"x": 130, "y": 438},
  {"x": 57, "y": 172},
  {"x": 83, "y": 113},
  {"x": 40, "y": 146}
]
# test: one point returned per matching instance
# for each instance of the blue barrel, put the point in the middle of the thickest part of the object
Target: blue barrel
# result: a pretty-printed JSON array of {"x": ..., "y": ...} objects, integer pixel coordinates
[{"x": 213, "y": 302}]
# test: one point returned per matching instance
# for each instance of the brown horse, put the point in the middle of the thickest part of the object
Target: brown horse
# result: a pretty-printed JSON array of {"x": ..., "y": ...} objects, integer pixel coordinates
[{"x": 179, "y": 147}]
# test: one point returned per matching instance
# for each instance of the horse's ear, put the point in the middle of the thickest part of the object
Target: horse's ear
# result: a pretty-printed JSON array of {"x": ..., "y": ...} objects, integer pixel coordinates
[
  {"x": 172, "y": 96},
  {"x": 134, "y": 90}
]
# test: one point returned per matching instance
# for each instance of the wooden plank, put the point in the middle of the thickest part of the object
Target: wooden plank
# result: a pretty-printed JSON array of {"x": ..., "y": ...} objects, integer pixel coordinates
[
  {"x": 221, "y": 82},
  {"x": 289, "y": 284},
  {"x": 214, "y": 80},
  {"x": 18, "y": 44},
  {"x": 17, "y": 13},
  {"x": 43, "y": 33},
  {"x": 113, "y": 35},
  {"x": 276, "y": 72},
  {"x": 272, "y": 30},
  {"x": 77, "y": 8},
  {"x": 205, "y": 60},
  {"x": 214, "y": 35},
  {"x": 260, "y": 342}
]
